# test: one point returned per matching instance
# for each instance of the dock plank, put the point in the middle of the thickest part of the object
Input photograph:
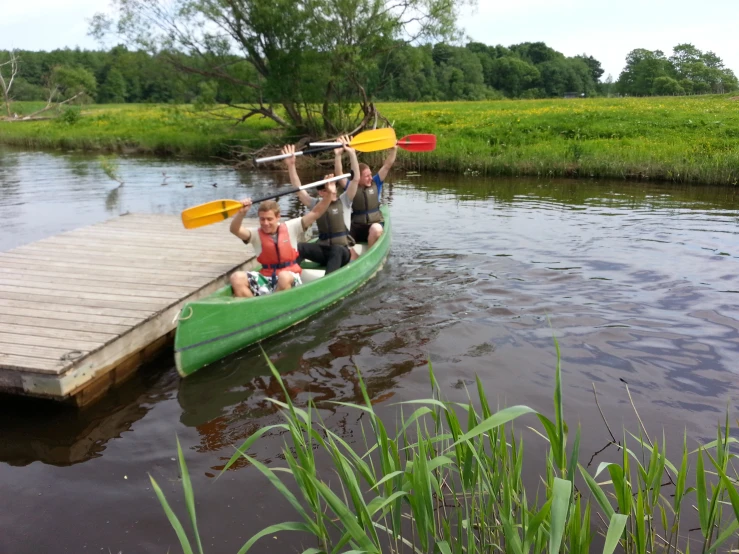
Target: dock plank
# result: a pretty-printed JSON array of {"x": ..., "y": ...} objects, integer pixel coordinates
[
  {"x": 64, "y": 300},
  {"x": 114, "y": 261},
  {"x": 132, "y": 277},
  {"x": 74, "y": 309},
  {"x": 64, "y": 324},
  {"x": 53, "y": 281},
  {"x": 143, "y": 243},
  {"x": 56, "y": 285},
  {"x": 33, "y": 340},
  {"x": 156, "y": 302},
  {"x": 48, "y": 353},
  {"x": 24, "y": 363},
  {"x": 169, "y": 255},
  {"x": 45, "y": 332},
  {"x": 92, "y": 269},
  {"x": 68, "y": 316},
  {"x": 225, "y": 242}
]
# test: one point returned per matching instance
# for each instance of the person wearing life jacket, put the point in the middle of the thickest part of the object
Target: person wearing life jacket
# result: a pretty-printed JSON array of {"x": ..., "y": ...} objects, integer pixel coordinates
[
  {"x": 367, "y": 222},
  {"x": 275, "y": 244},
  {"x": 334, "y": 240}
]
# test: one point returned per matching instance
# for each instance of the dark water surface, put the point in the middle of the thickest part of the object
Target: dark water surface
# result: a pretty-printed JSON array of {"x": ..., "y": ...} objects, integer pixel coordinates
[{"x": 638, "y": 282}]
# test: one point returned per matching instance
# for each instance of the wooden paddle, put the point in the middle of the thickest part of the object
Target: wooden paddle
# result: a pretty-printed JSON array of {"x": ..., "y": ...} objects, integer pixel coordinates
[
  {"x": 218, "y": 210},
  {"x": 367, "y": 141}
]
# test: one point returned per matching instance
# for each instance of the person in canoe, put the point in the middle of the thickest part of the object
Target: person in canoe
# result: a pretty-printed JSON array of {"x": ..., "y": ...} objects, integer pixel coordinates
[
  {"x": 333, "y": 246},
  {"x": 276, "y": 245},
  {"x": 366, "y": 222}
]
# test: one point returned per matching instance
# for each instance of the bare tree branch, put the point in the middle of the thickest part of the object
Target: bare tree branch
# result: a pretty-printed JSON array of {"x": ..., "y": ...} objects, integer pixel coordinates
[
  {"x": 50, "y": 105},
  {"x": 6, "y": 84}
]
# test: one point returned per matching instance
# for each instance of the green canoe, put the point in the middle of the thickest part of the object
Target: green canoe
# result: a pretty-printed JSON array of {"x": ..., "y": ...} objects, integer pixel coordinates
[{"x": 218, "y": 325}]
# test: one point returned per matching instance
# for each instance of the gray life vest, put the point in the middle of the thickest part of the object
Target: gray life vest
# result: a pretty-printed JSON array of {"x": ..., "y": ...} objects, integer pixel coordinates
[
  {"x": 366, "y": 205},
  {"x": 331, "y": 226}
]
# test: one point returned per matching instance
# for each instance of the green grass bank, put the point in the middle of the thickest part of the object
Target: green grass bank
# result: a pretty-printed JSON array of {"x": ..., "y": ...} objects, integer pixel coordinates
[{"x": 683, "y": 139}]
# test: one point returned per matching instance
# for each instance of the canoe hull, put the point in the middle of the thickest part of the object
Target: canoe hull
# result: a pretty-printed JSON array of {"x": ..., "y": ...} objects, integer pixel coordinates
[{"x": 218, "y": 325}]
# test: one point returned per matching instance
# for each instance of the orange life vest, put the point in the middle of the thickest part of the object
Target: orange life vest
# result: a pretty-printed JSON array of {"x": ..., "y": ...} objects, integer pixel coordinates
[{"x": 277, "y": 257}]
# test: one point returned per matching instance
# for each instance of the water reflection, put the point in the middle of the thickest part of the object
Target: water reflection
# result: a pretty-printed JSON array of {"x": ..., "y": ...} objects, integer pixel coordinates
[
  {"x": 573, "y": 195},
  {"x": 112, "y": 199},
  {"x": 33, "y": 430}
]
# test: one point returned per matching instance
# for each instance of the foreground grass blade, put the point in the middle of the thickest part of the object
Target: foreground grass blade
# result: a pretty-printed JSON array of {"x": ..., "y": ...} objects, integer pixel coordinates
[
  {"x": 288, "y": 526},
  {"x": 189, "y": 495},
  {"x": 561, "y": 493},
  {"x": 496, "y": 420},
  {"x": 559, "y": 414},
  {"x": 598, "y": 493},
  {"x": 615, "y": 529},
  {"x": 702, "y": 500},
  {"x": 173, "y": 521}
]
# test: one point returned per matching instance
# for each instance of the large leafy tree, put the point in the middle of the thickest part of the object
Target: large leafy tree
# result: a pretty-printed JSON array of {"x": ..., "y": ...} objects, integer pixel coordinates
[
  {"x": 687, "y": 70},
  {"x": 311, "y": 57},
  {"x": 596, "y": 71},
  {"x": 642, "y": 68},
  {"x": 701, "y": 72},
  {"x": 512, "y": 75}
]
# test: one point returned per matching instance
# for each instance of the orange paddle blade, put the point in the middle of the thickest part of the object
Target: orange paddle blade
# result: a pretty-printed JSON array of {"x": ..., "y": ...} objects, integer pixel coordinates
[
  {"x": 210, "y": 212},
  {"x": 418, "y": 143}
]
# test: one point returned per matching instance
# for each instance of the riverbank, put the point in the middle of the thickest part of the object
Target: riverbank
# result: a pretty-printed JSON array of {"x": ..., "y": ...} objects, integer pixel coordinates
[
  {"x": 158, "y": 129},
  {"x": 680, "y": 139}
]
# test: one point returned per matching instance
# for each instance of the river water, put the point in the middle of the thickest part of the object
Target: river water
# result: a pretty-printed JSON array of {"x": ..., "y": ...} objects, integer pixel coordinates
[{"x": 638, "y": 282}]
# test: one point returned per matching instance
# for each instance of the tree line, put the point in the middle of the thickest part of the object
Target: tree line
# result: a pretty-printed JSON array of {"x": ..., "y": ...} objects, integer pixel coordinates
[
  {"x": 409, "y": 73},
  {"x": 436, "y": 72}
]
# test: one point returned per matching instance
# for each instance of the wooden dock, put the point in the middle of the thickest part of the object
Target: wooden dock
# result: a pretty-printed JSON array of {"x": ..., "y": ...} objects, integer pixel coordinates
[{"x": 80, "y": 311}]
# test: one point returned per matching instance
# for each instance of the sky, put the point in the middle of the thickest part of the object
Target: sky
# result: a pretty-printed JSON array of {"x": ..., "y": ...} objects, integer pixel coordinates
[{"x": 607, "y": 29}]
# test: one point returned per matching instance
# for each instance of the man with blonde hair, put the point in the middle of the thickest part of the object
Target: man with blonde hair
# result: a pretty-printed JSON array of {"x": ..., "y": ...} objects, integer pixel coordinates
[{"x": 276, "y": 246}]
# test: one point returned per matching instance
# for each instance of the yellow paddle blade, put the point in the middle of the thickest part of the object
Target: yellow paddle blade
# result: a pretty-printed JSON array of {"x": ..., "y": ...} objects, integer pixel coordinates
[
  {"x": 374, "y": 140},
  {"x": 210, "y": 212}
]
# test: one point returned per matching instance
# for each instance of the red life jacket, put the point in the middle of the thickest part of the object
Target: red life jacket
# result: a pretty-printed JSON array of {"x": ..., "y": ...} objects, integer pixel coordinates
[{"x": 280, "y": 257}]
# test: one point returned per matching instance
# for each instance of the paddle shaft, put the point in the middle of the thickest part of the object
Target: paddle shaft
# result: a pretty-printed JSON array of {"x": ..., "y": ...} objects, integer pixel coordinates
[
  {"x": 299, "y": 153},
  {"x": 304, "y": 187}
]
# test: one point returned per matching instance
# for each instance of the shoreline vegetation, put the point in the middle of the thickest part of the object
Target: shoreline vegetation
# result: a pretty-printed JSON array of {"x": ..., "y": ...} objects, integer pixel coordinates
[
  {"x": 449, "y": 479},
  {"x": 684, "y": 139}
]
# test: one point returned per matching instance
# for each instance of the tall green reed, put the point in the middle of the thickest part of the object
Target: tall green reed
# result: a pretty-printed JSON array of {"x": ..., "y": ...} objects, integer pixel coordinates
[{"x": 450, "y": 480}]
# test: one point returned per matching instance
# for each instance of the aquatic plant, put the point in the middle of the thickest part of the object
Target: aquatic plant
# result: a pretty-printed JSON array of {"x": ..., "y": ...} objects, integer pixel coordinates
[
  {"x": 450, "y": 479},
  {"x": 110, "y": 166}
]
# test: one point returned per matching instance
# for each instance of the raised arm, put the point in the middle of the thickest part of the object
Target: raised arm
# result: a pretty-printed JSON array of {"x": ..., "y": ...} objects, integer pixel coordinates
[
  {"x": 389, "y": 161},
  {"x": 312, "y": 216},
  {"x": 236, "y": 228},
  {"x": 351, "y": 189},
  {"x": 304, "y": 197},
  {"x": 338, "y": 166}
]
